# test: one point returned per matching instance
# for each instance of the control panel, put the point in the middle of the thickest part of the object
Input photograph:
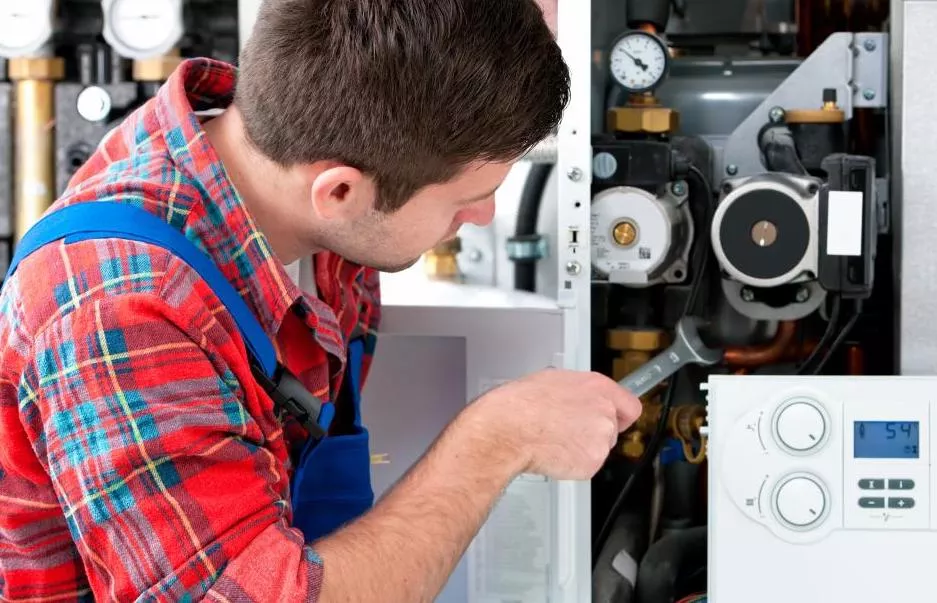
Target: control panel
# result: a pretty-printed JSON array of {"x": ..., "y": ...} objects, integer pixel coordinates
[{"x": 817, "y": 482}]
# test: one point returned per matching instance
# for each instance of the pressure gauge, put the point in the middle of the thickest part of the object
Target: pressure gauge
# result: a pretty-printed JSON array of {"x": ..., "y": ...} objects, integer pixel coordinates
[
  {"x": 142, "y": 29},
  {"x": 25, "y": 26},
  {"x": 639, "y": 61}
]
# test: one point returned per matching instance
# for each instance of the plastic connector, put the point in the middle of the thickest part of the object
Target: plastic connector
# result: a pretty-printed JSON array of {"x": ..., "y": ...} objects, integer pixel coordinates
[{"x": 680, "y": 164}]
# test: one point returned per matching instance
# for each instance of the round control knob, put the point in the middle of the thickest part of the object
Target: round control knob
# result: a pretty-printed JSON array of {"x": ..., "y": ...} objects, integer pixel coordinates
[
  {"x": 800, "y": 501},
  {"x": 800, "y": 426}
]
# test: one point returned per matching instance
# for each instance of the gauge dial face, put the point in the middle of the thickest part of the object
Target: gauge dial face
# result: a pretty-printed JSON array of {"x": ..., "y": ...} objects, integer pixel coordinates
[
  {"x": 144, "y": 28},
  {"x": 24, "y": 25},
  {"x": 638, "y": 61}
]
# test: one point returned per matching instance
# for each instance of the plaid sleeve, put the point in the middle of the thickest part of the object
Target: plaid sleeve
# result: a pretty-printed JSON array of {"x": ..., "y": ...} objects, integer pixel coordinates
[{"x": 169, "y": 487}]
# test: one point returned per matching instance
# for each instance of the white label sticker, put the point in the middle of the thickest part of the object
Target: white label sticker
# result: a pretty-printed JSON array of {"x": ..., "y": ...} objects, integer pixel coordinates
[
  {"x": 512, "y": 552},
  {"x": 844, "y": 223}
]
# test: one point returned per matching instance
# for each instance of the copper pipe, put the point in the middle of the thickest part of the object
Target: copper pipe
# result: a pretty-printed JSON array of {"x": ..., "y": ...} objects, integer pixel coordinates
[
  {"x": 855, "y": 360},
  {"x": 760, "y": 355}
]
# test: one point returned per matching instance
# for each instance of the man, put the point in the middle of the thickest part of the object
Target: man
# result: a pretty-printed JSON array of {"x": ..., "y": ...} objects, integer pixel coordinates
[{"x": 141, "y": 458}]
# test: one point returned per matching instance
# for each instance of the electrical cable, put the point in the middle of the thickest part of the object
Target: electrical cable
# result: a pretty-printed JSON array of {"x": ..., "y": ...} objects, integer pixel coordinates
[
  {"x": 841, "y": 337},
  {"x": 825, "y": 338},
  {"x": 704, "y": 252}
]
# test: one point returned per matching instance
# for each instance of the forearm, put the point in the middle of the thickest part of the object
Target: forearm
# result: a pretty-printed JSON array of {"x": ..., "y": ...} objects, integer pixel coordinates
[{"x": 407, "y": 546}]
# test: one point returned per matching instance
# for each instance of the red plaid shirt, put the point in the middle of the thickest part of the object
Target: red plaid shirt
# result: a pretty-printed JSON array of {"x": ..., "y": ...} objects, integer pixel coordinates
[{"x": 138, "y": 458}]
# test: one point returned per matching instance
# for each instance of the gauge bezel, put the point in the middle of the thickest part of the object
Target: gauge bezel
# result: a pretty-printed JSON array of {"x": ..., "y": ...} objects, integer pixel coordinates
[
  {"x": 657, "y": 40},
  {"x": 48, "y": 27},
  {"x": 116, "y": 41}
]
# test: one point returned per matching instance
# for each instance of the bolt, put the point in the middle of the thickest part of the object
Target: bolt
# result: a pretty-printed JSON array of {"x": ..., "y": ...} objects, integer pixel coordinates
[
  {"x": 732, "y": 169},
  {"x": 869, "y": 45},
  {"x": 678, "y": 188},
  {"x": 776, "y": 114},
  {"x": 727, "y": 188},
  {"x": 868, "y": 94},
  {"x": 475, "y": 256},
  {"x": 575, "y": 174},
  {"x": 573, "y": 268},
  {"x": 803, "y": 294},
  {"x": 748, "y": 295}
]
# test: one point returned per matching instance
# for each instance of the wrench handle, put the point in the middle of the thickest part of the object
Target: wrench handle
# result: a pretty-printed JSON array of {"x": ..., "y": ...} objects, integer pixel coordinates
[{"x": 649, "y": 375}]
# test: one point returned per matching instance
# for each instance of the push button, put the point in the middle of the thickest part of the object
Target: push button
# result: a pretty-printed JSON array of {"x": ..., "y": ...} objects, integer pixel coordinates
[
  {"x": 901, "y": 484},
  {"x": 867, "y": 502},
  {"x": 872, "y": 484},
  {"x": 900, "y": 503}
]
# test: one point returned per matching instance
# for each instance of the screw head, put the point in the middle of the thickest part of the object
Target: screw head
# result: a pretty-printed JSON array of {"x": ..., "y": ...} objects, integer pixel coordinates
[
  {"x": 776, "y": 114},
  {"x": 573, "y": 268},
  {"x": 732, "y": 169},
  {"x": 747, "y": 294},
  {"x": 869, "y": 45},
  {"x": 868, "y": 94},
  {"x": 575, "y": 174},
  {"x": 803, "y": 294},
  {"x": 475, "y": 256},
  {"x": 678, "y": 188}
]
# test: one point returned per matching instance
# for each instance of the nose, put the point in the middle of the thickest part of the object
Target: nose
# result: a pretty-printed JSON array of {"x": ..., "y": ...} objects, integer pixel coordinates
[{"x": 481, "y": 213}]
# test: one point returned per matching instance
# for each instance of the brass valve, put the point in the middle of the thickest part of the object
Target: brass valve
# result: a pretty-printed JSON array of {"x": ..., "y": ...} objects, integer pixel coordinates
[{"x": 441, "y": 262}]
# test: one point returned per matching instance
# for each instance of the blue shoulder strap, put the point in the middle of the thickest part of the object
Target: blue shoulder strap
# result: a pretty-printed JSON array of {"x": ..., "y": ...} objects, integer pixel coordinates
[{"x": 105, "y": 219}]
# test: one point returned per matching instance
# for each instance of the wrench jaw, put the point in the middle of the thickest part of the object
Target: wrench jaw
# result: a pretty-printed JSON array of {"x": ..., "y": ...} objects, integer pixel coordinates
[
  {"x": 687, "y": 331},
  {"x": 687, "y": 348}
]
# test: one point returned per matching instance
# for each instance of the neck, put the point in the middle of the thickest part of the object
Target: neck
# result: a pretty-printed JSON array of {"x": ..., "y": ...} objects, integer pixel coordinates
[{"x": 264, "y": 187}]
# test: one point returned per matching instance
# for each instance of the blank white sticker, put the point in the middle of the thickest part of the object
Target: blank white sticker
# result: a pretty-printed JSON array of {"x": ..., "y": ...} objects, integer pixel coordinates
[{"x": 844, "y": 223}]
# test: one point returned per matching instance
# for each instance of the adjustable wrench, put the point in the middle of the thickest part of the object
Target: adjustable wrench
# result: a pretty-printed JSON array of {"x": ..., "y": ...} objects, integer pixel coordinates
[{"x": 687, "y": 348}]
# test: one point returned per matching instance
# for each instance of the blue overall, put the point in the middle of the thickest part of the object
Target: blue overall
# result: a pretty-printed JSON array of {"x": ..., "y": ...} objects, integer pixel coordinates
[{"x": 332, "y": 482}]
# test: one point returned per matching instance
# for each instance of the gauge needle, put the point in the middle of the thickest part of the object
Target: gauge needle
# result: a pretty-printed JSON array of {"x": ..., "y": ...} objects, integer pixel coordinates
[{"x": 636, "y": 60}]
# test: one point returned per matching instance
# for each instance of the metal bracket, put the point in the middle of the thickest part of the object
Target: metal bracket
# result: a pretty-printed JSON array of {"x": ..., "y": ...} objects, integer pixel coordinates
[{"x": 856, "y": 65}]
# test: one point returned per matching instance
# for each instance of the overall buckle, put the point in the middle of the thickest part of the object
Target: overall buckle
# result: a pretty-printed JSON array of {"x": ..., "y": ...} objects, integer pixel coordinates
[{"x": 291, "y": 396}]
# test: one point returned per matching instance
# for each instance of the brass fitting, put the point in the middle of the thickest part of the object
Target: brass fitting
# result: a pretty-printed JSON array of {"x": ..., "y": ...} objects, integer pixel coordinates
[
  {"x": 441, "y": 262},
  {"x": 36, "y": 68},
  {"x": 829, "y": 113},
  {"x": 157, "y": 69},
  {"x": 643, "y": 340},
  {"x": 647, "y": 118},
  {"x": 683, "y": 423},
  {"x": 636, "y": 348}
]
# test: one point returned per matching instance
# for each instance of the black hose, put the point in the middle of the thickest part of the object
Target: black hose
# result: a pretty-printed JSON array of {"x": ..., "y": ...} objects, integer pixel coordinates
[
  {"x": 528, "y": 216},
  {"x": 671, "y": 562},
  {"x": 780, "y": 151},
  {"x": 616, "y": 574}
]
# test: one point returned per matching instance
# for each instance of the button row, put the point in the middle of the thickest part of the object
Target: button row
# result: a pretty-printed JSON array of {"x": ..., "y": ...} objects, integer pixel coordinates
[
  {"x": 879, "y": 503},
  {"x": 893, "y": 484}
]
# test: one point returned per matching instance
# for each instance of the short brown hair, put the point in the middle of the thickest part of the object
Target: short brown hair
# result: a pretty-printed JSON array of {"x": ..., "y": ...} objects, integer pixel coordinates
[{"x": 408, "y": 91}]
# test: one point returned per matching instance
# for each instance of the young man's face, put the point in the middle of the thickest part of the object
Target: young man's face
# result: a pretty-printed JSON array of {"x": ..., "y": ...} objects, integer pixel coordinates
[{"x": 392, "y": 242}]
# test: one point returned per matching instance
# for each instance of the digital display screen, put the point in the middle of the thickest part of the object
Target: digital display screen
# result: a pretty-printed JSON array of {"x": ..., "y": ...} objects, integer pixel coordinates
[{"x": 886, "y": 440}]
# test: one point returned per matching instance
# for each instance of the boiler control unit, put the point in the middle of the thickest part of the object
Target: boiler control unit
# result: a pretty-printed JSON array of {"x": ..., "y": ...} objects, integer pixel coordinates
[{"x": 821, "y": 488}]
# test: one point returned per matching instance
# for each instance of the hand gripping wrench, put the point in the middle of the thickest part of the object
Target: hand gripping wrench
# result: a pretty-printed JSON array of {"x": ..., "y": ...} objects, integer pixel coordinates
[{"x": 687, "y": 348}]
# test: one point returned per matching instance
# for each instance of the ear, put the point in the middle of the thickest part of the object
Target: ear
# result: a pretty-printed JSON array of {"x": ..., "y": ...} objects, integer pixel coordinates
[{"x": 340, "y": 192}]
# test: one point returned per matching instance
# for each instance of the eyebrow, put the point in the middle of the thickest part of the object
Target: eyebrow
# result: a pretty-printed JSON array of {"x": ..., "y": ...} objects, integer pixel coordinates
[{"x": 482, "y": 196}]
